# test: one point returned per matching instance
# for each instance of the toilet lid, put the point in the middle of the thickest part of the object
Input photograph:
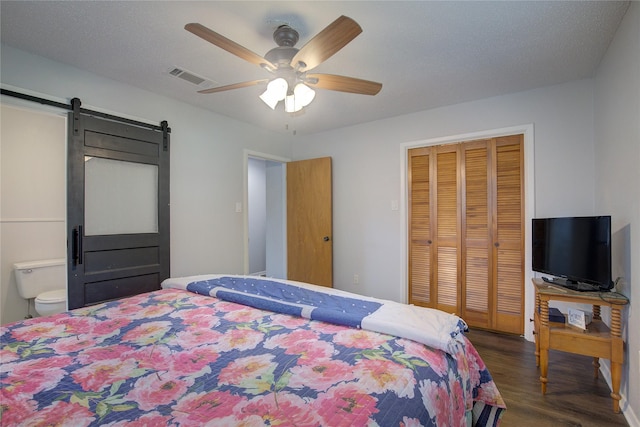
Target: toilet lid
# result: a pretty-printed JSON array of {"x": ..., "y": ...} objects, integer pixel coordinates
[{"x": 59, "y": 295}]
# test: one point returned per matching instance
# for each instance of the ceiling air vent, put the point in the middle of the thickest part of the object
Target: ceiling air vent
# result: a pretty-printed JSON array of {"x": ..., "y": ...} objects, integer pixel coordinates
[{"x": 190, "y": 77}]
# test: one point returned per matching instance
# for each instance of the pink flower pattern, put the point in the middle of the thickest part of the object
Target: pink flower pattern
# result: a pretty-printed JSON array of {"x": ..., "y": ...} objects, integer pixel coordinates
[
  {"x": 321, "y": 374},
  {"x": 346, "y": 405},
  {"x": 159, "y": 388},
  {"x": 61, "y": 414},
  {"x": 196, "y": 409},
  {"x": 283, "y": 409},
  {"x": 378, "y": 376},
  {"x": 359, "y": 338},
  {"x": 175, "y": 358}
]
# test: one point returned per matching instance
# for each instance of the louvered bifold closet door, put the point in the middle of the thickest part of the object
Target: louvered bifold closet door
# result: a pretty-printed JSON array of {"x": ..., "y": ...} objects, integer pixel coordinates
[
  {"x": 420, "y": 239},
  {"x": 476, "y": 221},
  {"x": 447, "y": 239},
  {"x": 466, "y": 231},
  {"x": 509, "y": 235}
]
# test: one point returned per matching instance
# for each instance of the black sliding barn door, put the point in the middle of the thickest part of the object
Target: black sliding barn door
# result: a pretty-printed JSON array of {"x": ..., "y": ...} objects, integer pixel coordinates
[{"x": 117, "y": 209}]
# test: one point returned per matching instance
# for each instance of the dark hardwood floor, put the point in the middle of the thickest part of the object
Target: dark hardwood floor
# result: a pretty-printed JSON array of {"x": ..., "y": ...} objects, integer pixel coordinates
[{"x": 574, "y": 397}]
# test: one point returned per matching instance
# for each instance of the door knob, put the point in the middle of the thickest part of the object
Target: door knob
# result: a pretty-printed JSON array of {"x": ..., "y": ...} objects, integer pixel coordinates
[{"x": 326, "y": 238}]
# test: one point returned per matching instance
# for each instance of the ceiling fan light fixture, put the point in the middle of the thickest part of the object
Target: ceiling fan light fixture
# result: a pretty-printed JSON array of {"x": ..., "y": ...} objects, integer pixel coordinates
[
  {"x": 290, "y": 65},
  {"x": 276, "y": 92}
]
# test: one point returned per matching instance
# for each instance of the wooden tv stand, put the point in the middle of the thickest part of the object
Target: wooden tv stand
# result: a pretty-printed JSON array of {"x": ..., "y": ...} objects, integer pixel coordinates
[{"x": 597, "y": 341}]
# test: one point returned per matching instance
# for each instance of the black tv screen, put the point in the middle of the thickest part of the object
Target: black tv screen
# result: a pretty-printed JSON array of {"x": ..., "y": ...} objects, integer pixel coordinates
[{"x": 575, "y": 249}]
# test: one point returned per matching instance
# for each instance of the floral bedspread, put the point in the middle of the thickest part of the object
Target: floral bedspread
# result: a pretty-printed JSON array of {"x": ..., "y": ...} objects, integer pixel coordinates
[{"x": 175, "y": 358}]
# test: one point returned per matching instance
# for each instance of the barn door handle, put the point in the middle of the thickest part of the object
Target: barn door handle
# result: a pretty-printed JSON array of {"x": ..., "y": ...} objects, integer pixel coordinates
[
  {"x": 76, "y": 246},
  {"x": 326, "y": 238}
]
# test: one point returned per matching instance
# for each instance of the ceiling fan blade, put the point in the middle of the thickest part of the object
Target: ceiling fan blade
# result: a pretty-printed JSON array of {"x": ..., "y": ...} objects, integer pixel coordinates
[
  {"x": 343, "y": 84},
  {"x": 233, "y": 86},
  {"x": 326, "y": 43},
  {"x": 229, "y": 45}
]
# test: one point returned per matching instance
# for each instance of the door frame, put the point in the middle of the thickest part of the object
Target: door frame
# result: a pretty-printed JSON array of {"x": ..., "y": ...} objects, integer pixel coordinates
[
  {"x": 529, "y": 200},
  {"x": 245, "y": 173}
]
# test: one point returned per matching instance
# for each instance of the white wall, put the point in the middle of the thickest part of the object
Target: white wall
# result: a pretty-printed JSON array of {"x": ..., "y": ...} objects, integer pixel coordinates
[
  {"x": 33, "y": 203},
  {"x": 617, "y": 148},
  {"x": 207, "y": 177}
]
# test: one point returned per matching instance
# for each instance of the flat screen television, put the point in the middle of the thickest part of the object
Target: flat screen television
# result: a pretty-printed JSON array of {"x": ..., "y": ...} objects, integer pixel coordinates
[{"x": 577, "y": 250}]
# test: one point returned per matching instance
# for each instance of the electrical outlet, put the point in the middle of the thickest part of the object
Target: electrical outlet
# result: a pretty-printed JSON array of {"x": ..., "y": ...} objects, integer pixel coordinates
[{"x": 356, "y": 279}]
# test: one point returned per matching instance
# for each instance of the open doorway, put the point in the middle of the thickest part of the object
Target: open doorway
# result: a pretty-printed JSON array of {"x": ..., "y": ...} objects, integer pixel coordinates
[{"x": 265, "y": 215}]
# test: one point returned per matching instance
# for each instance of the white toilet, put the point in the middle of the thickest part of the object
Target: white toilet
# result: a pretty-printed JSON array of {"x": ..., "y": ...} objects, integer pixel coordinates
[{"x": 46, "y": 281}]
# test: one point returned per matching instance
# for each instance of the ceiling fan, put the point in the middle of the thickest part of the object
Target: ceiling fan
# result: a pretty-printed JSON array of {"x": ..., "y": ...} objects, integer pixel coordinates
[{"x": 291, "y": 66}]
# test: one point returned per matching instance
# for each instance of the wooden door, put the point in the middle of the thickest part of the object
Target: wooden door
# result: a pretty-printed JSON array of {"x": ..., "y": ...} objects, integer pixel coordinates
[
  {"x": 477, "y": 274},
  {"x": 310, "y": 222},
  {"x": 117, "y": 209},
  {"x": 421, "y": 287},
  {"x": 508, "y": 235},
  {"x": 447, "y": 223}
]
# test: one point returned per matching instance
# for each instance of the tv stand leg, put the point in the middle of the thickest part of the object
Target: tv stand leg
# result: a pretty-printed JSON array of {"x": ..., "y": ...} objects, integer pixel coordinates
[
  {"x": 616, "y": 368},
  {"x": 544, "y": 344},
  {"x": 617, "y": 357}
]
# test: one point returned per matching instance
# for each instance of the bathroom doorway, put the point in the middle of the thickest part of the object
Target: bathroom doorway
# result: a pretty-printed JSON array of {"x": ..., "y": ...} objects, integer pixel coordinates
[
  {"x": 33, "y": 176},
  {"x": 265, "y": 216}
]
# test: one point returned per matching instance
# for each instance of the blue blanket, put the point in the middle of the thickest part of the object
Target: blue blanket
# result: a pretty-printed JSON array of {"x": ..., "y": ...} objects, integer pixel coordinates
[{"x": 287, "y": 299}]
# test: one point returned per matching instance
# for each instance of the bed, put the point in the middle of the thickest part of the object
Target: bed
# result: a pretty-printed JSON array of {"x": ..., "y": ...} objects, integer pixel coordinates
[{"x": 222, "y": 350}]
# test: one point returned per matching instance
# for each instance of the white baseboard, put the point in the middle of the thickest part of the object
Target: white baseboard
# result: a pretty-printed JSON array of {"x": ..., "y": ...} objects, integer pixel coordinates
[{"x": 625, "y": 407}]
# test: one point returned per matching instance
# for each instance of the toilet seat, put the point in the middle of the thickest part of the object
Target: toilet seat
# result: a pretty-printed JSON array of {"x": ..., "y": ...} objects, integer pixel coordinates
[{"x": 52, "y": 297}]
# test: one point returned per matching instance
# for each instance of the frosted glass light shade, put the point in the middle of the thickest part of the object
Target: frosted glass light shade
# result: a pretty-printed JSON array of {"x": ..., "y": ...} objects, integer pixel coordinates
[
  {"x": 303, "y": 94},
  {"x": 276, "y": 92},
  {"x": 290, "y": 105},
  {"x": 301, "y": 97}
]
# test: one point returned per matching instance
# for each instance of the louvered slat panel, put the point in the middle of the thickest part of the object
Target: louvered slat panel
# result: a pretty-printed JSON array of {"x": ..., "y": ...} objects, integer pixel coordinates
[
  {"x": 509, "y": 191},
  {"x": 447, "y": 194},
  {"x": 420, "y": 271},
  {"x": 509, "y": 282},
  {"x": 447, "y": 276},
  {"x": 477, "y": 224},
  {"x": 477, "y": 279}
]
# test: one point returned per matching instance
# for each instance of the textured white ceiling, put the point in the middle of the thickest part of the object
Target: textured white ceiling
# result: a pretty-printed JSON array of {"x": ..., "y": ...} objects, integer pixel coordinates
[{"x": 427, "y": 54}]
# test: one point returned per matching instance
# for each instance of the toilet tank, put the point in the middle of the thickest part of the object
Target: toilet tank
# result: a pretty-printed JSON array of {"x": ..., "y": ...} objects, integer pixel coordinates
[{"x": 36, "y": 277}]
